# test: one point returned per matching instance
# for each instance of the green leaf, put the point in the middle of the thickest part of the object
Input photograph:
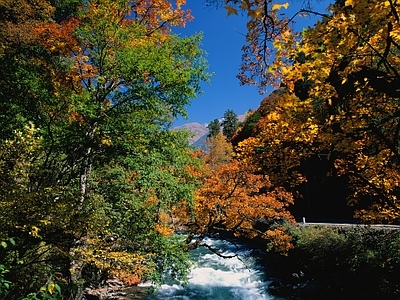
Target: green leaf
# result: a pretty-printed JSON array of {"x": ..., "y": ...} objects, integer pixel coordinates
[
  {"x": 12, "y": 242},
  {"x": 4, "y": 244}
]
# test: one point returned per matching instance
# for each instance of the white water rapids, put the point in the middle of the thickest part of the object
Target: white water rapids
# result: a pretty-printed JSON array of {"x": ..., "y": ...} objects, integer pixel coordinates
[{"x": 214, "y": 277}]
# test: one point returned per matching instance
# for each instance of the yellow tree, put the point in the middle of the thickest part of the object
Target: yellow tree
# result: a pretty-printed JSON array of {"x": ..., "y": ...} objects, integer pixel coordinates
[
  {"x": 219, "y": 151},
  {"x": 284, "y": 135},
  {"x": 344, "y": 72},
  {"x": 351, "y": 61}
]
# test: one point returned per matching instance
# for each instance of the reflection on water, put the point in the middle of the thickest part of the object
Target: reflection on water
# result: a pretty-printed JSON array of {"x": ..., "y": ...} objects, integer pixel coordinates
[{"x": 215, "y": 277}]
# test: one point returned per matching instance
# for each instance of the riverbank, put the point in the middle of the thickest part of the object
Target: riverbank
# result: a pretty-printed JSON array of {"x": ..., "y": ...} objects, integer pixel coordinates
[
  {"x": 338, "y": 263},
  {"x": 137, "y": 292},
  {"x": 116, "y": 290}
]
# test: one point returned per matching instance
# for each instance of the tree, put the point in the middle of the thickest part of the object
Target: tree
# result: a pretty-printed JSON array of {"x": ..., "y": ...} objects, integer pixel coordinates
[
  {"x": 214, "y": 128},
  {"x": 343, "y": 72},
  {"x": 229, "y": 124},
  {"x": 233, "y": 199},
  {"x": 219, "y": 151},
  {"x": 267, "y": 25},
  {"x": 280, "y": 141},
  {"x": 39, "y": 223},
  {"x": 101, "y": 89},
  {"x": 359, "y": 57},
  {"x": 245, "y": 129}
]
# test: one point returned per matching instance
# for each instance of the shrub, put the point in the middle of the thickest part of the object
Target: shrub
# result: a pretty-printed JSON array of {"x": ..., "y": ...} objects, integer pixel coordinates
[{"x": 355, "y": 260}]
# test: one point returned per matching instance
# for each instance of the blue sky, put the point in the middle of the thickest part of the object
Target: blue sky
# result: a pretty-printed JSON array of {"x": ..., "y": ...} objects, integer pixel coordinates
[{"x": 223, "y": 38}]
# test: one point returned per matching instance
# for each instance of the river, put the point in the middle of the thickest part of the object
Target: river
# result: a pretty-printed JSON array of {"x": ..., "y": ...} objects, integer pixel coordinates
[{"x": 214, "y": 277}]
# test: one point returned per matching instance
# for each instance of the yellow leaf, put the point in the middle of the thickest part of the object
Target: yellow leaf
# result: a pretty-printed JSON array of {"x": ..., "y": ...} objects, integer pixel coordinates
[
  {"x": 231, "y": 10},
  {"x": 277, "y": 44},
  {"x": 256, "y": 13},
  {"x": 278, "y": 6},
  {"x": 34, "y": 231},
  {"x": 50, "y": 288},
  {"x": 285, "y": 70},
  {"x": 244, "y": 5}
]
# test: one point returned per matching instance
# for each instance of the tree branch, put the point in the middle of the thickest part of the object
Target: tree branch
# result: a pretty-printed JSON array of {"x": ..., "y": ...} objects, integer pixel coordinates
[{"x": 216, "y": 252}]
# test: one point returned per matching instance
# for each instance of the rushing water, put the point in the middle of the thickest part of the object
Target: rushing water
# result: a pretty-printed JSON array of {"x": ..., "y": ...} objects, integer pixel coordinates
[{"x": 215, "y": 277}]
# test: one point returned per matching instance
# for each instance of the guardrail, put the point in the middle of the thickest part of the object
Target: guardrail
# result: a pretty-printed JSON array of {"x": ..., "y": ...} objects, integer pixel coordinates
[{"x": 304, "y": 222}]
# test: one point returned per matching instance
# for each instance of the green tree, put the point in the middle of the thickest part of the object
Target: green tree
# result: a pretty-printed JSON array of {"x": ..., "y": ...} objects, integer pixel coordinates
[
  {"x": 101, "y": 90},
  {"x": 230, "y": 123},
  {"x": 214, "y": 128}
]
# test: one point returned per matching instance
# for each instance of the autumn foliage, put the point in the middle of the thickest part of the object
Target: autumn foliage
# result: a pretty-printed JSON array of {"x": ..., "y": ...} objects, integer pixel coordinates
[
  {"x": 89, "y": 169},
  {"x": 93, "y": 182},
  {"x": 232, "y": 198},
  {"x": 337, "y": 102}
]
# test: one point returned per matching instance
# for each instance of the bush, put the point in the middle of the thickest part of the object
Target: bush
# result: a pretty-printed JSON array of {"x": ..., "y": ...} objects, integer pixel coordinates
[
  {"x": 356, "y": 260},
  {"x": 4, "y": 283},
  {"x": 338, "y": 263}
]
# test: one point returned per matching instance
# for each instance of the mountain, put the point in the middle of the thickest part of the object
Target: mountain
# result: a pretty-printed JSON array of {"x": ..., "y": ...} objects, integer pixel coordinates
[
  {"x": 201, "y": 143},
  {"x": 200, "y": 131},
  {"x": 197, "y": 129}
]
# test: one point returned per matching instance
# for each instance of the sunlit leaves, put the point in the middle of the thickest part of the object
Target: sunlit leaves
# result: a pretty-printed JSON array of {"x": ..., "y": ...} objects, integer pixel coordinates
[
  {"x": 113, "y": 258},
  {"x": 267, "y": 25},
  {"x": 157, "y": 13},
  {"x": 277, "y": 143},
  {"x": 219, "y": 151},
  {"x": 355, "y": 63},
  {"x": 277, "y": 6},
  {"x": 344, "y": 71},
  {"x": 233, "y": 198}
]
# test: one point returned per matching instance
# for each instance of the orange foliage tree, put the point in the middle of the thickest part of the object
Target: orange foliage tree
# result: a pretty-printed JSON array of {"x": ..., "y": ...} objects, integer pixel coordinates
[{"x": 233, "y": 199}]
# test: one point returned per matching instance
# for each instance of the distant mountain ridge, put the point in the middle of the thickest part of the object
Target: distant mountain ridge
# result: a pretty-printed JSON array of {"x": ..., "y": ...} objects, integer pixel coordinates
[
  {"x": 200, "y": 131},
  {"x": 196, "y": 128}
]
